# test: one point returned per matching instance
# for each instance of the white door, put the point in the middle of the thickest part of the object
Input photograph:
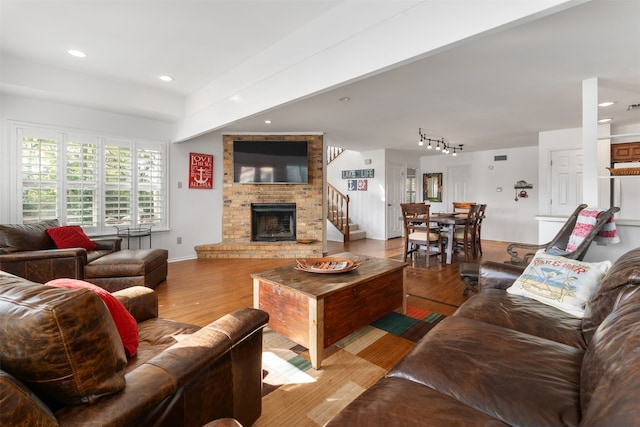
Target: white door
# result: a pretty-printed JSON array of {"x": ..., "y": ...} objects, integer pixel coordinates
[
  {"x": 566, "y": 181},
  {"x": 458, "y": 185},
  {"x": 395, "y": 193}
]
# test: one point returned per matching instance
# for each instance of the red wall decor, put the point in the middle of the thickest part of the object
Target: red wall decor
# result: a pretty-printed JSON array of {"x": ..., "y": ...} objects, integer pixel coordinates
[{"x": 200, "y": 170}]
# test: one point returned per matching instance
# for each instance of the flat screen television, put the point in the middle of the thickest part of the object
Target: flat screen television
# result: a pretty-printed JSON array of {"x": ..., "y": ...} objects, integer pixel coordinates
[{"x": 270, "y": 162}]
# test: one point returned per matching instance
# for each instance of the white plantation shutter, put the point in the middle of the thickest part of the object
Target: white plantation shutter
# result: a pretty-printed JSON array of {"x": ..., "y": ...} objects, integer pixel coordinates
[
  {"x": 150, "y": 192},
  {"x": 39, "y": 174},
  {"x": 89, "y": 180},
  {"x": 118, "y": 183},
  {"x": 81, "y": 169}
]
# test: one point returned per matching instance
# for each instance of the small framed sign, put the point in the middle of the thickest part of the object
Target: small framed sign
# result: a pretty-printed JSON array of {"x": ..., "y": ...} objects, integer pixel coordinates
[
  {"x": 201, "y": 171},
  {"x": 357, "y": 185},
  {"x": 358, "y": 173}
]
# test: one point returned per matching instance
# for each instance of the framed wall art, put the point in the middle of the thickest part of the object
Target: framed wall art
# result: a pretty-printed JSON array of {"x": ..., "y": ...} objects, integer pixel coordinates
[
  {"x": 201, "y": 171},
  {"x": 432, "y": 187}
]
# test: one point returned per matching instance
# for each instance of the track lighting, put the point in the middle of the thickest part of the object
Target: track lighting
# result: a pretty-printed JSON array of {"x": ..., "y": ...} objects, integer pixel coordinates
[{"x": 440, "y": 144}]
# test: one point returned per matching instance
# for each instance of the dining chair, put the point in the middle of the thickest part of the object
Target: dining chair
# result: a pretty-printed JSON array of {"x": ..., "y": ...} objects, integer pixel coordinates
[
  {"x": 464, "y": 237},
  {"x": 462, "y": 206},
  {"x": 478, "y": 235},
  {"x": 417, "y": 230}
]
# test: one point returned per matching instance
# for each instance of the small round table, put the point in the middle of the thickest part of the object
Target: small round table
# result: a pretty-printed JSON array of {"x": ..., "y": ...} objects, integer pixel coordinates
[{"x": 139, "y": 232}]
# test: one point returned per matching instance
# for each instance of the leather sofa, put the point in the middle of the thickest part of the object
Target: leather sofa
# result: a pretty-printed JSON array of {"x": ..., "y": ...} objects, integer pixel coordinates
[
  {"x": 504, "y": 359},
  {"x": 63, "y": 362},
  {"x": 26, "y": 250}
]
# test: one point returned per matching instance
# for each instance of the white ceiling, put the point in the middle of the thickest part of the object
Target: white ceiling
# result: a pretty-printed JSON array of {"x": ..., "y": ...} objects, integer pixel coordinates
[{"x": 494, "y": 90}]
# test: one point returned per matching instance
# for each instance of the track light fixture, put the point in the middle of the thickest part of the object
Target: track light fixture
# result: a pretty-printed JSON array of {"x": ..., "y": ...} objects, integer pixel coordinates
[{"x": 440, "y": 144}]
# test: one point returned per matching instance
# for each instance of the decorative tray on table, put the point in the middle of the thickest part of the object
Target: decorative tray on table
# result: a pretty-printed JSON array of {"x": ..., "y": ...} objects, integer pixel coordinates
[{"x": 326, "y": 265}]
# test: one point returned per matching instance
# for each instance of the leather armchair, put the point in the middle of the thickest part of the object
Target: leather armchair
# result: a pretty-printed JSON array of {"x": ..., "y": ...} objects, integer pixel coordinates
[
  {"x": 182, "y": 374},
  {"x": 27, "y": 251}
]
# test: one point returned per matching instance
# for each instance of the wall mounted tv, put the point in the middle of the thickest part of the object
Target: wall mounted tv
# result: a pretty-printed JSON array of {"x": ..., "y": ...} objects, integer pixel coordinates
[{"x": 270, "y": 162}]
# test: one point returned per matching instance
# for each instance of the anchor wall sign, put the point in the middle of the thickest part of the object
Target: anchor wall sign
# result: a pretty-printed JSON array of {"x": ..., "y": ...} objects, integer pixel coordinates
[{"x": 200, "y": 170}]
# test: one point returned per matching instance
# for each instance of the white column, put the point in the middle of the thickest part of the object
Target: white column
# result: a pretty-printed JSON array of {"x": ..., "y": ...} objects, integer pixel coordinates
[{"x": 590, "y": 142}]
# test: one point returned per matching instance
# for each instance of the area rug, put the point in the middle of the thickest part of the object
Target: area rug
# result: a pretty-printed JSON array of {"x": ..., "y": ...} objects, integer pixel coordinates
[{"x": 295, "y": 394}]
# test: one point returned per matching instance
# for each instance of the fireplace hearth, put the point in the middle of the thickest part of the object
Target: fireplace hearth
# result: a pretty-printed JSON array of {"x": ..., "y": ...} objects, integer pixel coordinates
[{"x": 273, "y": 222}]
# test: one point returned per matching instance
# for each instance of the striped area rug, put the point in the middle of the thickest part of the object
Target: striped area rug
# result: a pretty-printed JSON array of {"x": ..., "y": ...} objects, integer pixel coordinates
[{"x": 295, "y": 394}]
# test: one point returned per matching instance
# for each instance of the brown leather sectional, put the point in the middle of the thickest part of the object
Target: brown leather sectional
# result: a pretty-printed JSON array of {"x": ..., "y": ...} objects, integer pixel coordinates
[
  {"x": 62, "y": 362},
  {"x": 505, "y": 360}
]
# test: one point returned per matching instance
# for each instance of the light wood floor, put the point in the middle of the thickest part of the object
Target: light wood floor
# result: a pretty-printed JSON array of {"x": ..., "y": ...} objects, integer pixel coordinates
[{"x": 200, "y": 291}]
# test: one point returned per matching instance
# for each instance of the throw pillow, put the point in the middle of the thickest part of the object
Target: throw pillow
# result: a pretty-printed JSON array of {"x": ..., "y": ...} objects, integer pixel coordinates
[
  {"x": 125, "y": 322},
  {"x": 70, "y": 236},
  {"x": 563, "y": 283}
]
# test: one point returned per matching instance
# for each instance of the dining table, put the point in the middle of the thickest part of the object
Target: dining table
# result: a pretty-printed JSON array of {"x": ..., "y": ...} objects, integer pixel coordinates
[{"x": 447, "y": 222}]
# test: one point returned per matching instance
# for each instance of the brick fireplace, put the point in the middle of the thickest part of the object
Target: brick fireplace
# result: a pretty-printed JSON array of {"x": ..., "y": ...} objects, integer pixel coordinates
[{"x": 237, "y": 241}]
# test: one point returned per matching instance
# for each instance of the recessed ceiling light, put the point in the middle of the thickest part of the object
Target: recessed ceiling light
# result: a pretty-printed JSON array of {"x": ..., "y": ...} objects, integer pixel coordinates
[
  {"x": 604, "y": 120},
  {"x": 166, "y": 78},
  {"x": 606, "y": 104},
  {"x": 268, "y": 122},
  {"x": 77, "y": 53}
]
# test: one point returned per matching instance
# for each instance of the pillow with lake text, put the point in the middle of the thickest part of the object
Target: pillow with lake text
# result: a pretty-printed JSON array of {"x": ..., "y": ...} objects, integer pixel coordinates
[{"x": 563, "y": 283}]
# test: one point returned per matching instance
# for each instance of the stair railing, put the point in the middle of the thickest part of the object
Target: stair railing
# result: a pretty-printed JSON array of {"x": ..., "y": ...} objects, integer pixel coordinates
[
  {"x": 338, "y": 210},
  {"x": 333, "y": 152}
]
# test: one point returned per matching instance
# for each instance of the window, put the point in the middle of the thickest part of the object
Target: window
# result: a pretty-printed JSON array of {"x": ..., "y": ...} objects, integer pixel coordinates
[
  {"x": 410, "y": 186},
  {"x": 91, "y": 180}
]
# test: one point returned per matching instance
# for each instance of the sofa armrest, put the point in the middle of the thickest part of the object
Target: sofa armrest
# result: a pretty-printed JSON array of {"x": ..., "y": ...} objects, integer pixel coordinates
[
  {"x": 498, "y": 275},
  {"x": 140, "y": 301},
  {"x": 108, "y": 243},
  {"x": 44, "y": 265},
  {"x": 20, "y": 406}
]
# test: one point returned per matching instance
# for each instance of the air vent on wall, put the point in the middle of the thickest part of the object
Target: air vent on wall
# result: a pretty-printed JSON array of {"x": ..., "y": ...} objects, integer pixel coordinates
[
  {"x": 498, "y": 158},
  {"x": 633, "y": 106}
]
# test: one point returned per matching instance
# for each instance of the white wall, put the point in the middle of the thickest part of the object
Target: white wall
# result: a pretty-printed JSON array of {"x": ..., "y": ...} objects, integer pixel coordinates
[
  {"x": 506, "y": 219},
  {"x": 195, "y": 215}
]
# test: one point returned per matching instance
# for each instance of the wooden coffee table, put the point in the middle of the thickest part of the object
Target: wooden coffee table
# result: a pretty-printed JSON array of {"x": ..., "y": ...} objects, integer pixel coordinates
[{"x": 317, "y": 310}]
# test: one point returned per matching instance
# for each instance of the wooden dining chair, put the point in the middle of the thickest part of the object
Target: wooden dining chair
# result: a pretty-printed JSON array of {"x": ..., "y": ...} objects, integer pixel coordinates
[
  {"x": 464, "y": 237},
  {"x": 417, "y": 230},
  {"x": 478, "y": 236},
  {"x": 462, "y": 206}
]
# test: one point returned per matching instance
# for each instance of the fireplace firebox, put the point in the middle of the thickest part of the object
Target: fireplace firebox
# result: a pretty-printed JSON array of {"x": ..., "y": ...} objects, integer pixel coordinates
[{"x": 273, "y": 222}]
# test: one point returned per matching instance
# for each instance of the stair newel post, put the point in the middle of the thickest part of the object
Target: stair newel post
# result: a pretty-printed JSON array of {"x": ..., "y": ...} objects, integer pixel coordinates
[{"x": 346, "y": 227}]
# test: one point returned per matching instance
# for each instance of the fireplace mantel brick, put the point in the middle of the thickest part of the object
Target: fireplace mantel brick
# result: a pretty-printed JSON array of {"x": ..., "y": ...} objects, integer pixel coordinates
[{"x": 237, "y": 199}]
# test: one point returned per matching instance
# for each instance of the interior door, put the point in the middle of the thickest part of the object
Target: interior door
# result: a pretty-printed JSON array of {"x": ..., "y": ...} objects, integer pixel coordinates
[
  {"x": 395, "y": 193},
  {"x": 566, "y": 181},
  {"x": 458, "y": 185}
]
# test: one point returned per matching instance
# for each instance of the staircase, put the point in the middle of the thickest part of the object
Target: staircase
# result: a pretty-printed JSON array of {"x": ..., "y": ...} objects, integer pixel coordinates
[
  {"x": 340, "y": 221},
  {"x": 355, "y": 233},
  {"x": 338, "y": 215},
  {"x": 338, "y": 206}
]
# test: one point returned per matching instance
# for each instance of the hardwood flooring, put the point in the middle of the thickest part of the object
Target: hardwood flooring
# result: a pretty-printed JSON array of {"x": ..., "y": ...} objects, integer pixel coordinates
[{"x": 200, "y": 291}]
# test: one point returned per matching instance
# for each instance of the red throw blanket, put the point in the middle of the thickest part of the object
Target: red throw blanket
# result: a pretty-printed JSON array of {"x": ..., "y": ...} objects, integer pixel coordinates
[{"x": 587, "y": 219}]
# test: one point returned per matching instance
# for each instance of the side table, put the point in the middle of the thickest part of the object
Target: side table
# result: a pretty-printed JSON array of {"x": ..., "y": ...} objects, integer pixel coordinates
[{"x": 139, "y": 232}]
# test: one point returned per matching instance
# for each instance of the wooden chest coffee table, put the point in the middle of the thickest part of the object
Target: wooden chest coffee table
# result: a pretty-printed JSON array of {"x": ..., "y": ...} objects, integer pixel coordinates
[{"x": 317, "y": 310}]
